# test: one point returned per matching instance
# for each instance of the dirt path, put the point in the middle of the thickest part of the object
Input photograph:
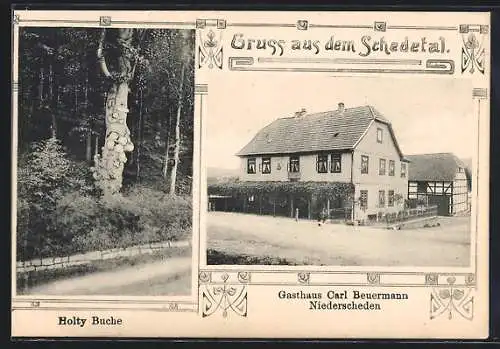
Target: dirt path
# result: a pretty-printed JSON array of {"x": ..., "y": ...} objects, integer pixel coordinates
[
  {"x": 338, "y": 244},
  {"x": 169, "y": 277}
]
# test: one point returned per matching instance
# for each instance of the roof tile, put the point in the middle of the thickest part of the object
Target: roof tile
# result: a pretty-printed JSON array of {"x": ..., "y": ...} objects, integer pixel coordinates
[
  {"x": 331, "y": 130},
  {"x": 434, "y": 167}
]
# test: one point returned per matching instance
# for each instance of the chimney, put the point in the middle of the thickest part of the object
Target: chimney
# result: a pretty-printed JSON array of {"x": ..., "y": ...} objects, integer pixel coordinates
[
  {"x": 300, "y": 113},
  {"x": 341, "y": 107}
]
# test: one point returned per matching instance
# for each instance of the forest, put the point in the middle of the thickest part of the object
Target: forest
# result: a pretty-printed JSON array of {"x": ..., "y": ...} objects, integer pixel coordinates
[{"x": 105, "y": 138}]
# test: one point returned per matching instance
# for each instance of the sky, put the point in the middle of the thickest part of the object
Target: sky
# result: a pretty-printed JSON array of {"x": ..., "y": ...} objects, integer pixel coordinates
[{"x": 429, "y": 114}]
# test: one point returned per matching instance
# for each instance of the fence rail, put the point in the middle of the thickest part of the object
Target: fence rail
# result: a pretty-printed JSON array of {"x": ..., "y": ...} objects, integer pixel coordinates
[
  {"x": 400, "y": 216},
  {"x": 405, "y": 215},
  {"x": 340, "y": 213}
]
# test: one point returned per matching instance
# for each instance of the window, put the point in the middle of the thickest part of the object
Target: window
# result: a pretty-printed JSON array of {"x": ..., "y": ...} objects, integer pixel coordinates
[
  {"x": 322, "y": 164},
  {"x": 381, "y": 198},
  {"x": 266, "y": 165},
  {"x": 294, "y": 165},
  {"x": 336, "y": 163},
  {"x": 380, "y": 135},
  {"x": 363, "y": 198},
  {"x": 403, "y": 170},
  {"x": 381, "y": 167},
  {"x": 390, "y": 198},
  {"x": 392, "y": 165},
  {"x": 364, "y": 164},
  {"x": 251, "y": 165}
]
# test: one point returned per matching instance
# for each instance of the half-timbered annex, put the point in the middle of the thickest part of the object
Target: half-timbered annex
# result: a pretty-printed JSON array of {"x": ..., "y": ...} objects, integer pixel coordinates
[
  {"x": 345, "y": 162},
  {"x": 439, "y": 179}
]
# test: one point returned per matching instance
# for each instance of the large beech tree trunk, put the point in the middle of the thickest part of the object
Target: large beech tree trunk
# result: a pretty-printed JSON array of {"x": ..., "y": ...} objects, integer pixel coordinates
[{"x": 110, "y": 164}]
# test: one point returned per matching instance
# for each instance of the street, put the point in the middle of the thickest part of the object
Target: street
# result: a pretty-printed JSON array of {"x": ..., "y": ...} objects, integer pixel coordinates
[
  {"x": 304, "y": 242},
  {"x": 169, "y": 277}
]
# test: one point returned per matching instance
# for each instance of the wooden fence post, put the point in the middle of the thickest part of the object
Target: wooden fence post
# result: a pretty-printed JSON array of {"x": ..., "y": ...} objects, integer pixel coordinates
[
  {"x": 274, "y": 205},
  {"x": 309, "y": 209}
]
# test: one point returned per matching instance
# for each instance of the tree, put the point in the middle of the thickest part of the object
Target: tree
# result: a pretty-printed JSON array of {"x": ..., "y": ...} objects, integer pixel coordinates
[
  {"x": 110, "y": 164},
  {"x": 64, "y": 93},
  {"x": 44, "y": 175},
  {"x": 168, "y": 97},
  {"x": 67, "y": 103},
  {"x": 177, "y": 142}
]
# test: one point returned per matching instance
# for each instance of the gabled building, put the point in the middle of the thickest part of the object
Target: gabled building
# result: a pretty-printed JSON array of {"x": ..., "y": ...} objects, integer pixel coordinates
[
  {"x": 440, "y": 179},
  {"x": 345, "y": 160}
]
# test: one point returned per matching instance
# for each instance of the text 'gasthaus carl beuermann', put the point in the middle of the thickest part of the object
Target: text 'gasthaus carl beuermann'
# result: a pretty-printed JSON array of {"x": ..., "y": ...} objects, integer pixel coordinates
[{"x": 343, "y": 299}]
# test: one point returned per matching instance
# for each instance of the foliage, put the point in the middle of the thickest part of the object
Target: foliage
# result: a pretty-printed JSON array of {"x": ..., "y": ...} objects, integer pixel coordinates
[
  {"x": 323, "y": 189},
  {"x": 45, "y": 174},
  {"x": 61, "y": 125},
  {"x": 62, "y": 90},
  {"x": 215, "y": 257},
  {"x": 398, "y": 198},
  {"x": 142, "y": 216}
]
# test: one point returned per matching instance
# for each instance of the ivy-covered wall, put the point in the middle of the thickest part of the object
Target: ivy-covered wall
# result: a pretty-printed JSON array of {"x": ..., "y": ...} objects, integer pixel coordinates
[
  {"x": 320, "y": 189},
  {"x": 280, "y": 198}
]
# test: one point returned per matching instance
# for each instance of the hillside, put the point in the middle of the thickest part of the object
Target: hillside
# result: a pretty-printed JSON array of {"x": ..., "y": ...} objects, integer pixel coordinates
[{"x": 217, "y": 175}]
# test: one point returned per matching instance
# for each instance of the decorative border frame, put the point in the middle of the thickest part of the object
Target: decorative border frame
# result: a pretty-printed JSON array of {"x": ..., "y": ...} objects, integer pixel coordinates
[
  {"x": 449, "y": 291},
  {"x": 225, "y": 288},
  {"x": 182, "y": 303}
]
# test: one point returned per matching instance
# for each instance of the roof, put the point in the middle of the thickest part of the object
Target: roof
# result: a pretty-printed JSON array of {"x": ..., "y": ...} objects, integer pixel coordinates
[
  {"x": 331, "y": 130},
  {"x": 434, "y": 167}
]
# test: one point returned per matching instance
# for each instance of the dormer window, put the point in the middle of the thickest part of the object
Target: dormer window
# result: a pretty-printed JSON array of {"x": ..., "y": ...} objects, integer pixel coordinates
[
  {"x": 380, "y": 135},
  {"x": 251, "y": 166}
]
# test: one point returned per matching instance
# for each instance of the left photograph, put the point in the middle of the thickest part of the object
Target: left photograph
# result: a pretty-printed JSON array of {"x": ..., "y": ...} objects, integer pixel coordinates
[{"x": 104, "y": 161}]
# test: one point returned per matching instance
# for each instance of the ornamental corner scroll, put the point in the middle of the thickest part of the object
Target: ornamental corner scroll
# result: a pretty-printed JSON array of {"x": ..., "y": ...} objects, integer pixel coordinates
[
  {"x": 210, "y": 48},
  {"x": 473, "y": 47},
  {"x": 16, "y": 19},
  {"x": 452, "y": 299},
  {"x": 223, "y": 294}
]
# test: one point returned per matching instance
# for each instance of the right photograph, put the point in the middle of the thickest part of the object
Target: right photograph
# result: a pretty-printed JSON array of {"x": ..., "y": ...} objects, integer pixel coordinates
[{"x": 351, "y": 171}]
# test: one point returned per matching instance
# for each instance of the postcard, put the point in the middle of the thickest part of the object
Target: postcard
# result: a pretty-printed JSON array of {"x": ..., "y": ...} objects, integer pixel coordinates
[{"x": 250, "y": 174}]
